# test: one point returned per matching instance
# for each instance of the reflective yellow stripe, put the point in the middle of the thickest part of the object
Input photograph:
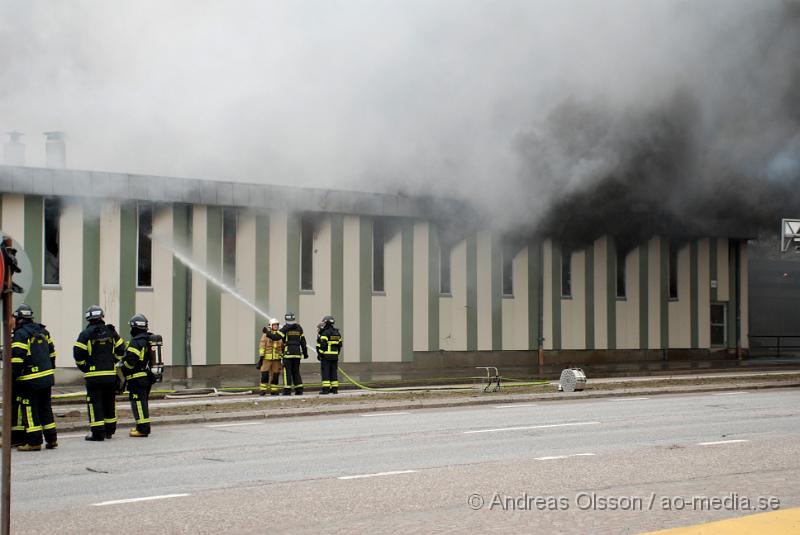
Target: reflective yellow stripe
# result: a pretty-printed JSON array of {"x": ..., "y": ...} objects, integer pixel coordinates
[
  {"x": 118, "y": 342},
  {"x": 50, "y": 426},
  {"x": 17, "y": 360},
  {"x": 80, "y": 362},
  {"x": 20, "y": 345},
  {"x": 138, "y": 352},
  {"x": 100, "y": 373},
  {"x": 36, "y": 375},
  {"x": 53, "y": 354},
  {"x": 129, "y": 366},
  {"x": 140, "y": 412},
  {"x": 81, "y": 346},
  {"x": 137, "y": 375},
  {"x": 110, "y": 420}
]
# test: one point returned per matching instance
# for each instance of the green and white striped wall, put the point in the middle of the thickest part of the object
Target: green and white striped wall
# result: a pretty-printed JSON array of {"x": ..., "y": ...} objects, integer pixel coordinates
[{"x": 98, "y": 265}]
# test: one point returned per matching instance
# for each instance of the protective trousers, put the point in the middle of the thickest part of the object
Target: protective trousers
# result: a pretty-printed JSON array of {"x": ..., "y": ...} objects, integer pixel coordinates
[
  {"x": 330, "y": 375},
  {"x": 271, "y": 377},
  {"x": 17, "y": 424},
  {"x": 102, "y": 409},
  {"x": 291, "y": 376},
  {"x": 139, "y": 394},
  {"x": 37, "y": 416}
]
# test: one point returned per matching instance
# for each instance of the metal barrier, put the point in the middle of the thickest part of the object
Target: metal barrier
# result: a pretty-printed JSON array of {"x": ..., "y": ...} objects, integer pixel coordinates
[{"x": 786, "y": 343}]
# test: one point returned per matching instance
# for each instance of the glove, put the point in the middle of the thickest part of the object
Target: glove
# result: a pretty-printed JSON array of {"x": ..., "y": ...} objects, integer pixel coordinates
[
  {"x": 305, "y": 355},
  {"x": 260, "y": 362}
]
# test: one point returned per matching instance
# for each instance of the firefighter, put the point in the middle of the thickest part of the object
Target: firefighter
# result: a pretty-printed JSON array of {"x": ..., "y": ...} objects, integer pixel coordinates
[
  {"x": 329, "y": 345},
  {"x": 96, "y": 352},
  {"x": 269, "y": 360},
  {"x": 294, "y": 347},
  {"x": 33, "y": 363},
  {"x": 138, "y": 376}
]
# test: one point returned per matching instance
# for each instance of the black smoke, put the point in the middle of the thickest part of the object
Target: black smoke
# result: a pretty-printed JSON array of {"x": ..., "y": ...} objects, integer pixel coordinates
[{"x": 716, "y": 156}]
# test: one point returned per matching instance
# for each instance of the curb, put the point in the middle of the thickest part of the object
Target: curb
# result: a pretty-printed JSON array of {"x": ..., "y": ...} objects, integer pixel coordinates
[{"x": 430, "y": 404}]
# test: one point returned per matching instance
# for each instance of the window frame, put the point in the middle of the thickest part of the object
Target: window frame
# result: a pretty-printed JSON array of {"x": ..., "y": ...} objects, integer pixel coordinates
[
  {"x": 151, "y": 208},
  {"x": 379, "y": 238},
  {"x": 308, "y": 232},
  {"x": 55, "y": 205},
  {"x": 566, "y": 282}
]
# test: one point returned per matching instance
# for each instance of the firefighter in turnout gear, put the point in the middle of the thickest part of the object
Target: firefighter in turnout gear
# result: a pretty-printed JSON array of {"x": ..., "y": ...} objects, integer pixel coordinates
[
  {"x": 96, "y": 352},
  {"x": 294, "y": 348},
  {"x": 329, "y": 345},
  {"x": 33, "y": 362},
  {"x": 269, "y": 361},
  {"x": 138, "y": 376}
]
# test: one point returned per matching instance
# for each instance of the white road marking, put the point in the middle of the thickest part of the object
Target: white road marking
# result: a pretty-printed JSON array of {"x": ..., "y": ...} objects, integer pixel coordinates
[
  {"x": 529, "y": 427},
  {"x": 729, "y": 393},
  {"x": 370, "y": 414},
  {"x": 514, "y": 405},
  {"x": 625, "y": 399},
  {"x": 235, "y": 425},
  {"x": 550, "y": 458},
  {"x": 144, "y": 499},
  {"x": 721, "y": 442},
  {"x": 361, "y": 476},
  {"x": 71, "y": 436}
]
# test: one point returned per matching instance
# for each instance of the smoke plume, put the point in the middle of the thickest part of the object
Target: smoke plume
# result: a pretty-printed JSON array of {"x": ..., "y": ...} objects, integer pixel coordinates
[{"x": 571, "y": 119}]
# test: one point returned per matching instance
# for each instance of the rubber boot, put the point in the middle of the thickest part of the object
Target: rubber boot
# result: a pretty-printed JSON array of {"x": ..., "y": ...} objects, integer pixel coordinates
[
  {"x": 325, "y": 391},
  {"x": 334, "y": 390},
  {"x": 298, "y": 392},
  {"x": 52, "y": 445},
  {"x": 29, "y": 447},
  {"x": 95, "y": 438},
  {"x": 136, "y": 433},
  {"x": 287, "y": 391}
]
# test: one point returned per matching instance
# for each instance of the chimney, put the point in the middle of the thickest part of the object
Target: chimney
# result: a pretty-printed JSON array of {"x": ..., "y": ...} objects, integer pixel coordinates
[
  {"x": 55, "y": 150},
  {"x": 14, "y": 149}
]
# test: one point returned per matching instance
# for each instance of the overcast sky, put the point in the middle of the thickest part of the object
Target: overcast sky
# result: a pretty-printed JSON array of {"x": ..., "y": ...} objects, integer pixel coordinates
[{"x": 411, "y": 95}]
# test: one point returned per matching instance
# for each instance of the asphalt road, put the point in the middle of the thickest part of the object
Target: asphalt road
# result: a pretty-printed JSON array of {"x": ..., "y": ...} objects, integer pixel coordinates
[{"x": 418, "y": 470}]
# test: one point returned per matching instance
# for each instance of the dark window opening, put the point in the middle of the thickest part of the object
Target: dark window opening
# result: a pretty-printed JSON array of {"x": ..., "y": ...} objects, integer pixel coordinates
[
  {"x": 229, "y": 221},
  {"x": 144, "y": 252},
  {"x": 621, "y": 271},
  {"x": 52, "y": 241},
  {"x": 718, "y": 325},
  {"x": 508, "y": 271},
  {"x": 444, "y": 270},
  {"x": 307, "y": 230},
  {"x": 378, "y": 242},
  {"x": 566, "y": 274},
  {"x": 673, "y": 271}
]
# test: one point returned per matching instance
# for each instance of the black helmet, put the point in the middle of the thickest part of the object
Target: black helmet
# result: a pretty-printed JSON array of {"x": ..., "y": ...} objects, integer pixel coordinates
[
  {"x": 23, "y": 312},
  {"x": 94, "y": 312},
  {"x": 289, "y": 317},
  {"x": 328, "y": 320},
  {"x": 138, "y": 321}
]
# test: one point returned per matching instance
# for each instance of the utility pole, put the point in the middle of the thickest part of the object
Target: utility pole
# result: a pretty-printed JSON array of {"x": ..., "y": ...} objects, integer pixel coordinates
[{"x": 7, "y": 263}]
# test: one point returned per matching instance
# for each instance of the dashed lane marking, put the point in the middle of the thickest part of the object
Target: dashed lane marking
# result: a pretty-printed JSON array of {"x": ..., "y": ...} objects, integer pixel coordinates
[
  {"x": 143, "y": 499},
  {"x": 236, "y": 424},
  {"x": 362, "y": 476},
  {"x": 717, "y": 442},
  {"x": 553, "y": 457},
  {"x": 527, "y": 427}
]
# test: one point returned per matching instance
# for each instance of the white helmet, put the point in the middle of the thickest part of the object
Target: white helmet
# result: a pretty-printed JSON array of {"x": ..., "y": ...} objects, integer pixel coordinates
[{"x": 274, "y": 321}]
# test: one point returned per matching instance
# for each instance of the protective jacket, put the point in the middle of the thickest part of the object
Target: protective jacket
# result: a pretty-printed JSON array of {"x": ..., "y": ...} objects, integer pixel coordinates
[
  {"x": 136, "y": 362},
  {"x": 96, "y": 352},
  {"x": 329, "y": 343},
  {"x": 33, "y": 357},
  {"x": 294, "y": 341},
  {"x": 269, "y": 350}
]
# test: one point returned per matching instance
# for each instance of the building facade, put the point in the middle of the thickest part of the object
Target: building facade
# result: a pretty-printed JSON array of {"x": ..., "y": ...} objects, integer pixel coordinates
[{"x": 401, "y": 286}]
